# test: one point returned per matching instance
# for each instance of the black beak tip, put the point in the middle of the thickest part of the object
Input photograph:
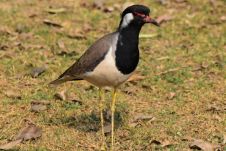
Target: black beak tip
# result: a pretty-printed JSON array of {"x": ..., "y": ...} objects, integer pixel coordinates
[{"x": 155, "y": 23}]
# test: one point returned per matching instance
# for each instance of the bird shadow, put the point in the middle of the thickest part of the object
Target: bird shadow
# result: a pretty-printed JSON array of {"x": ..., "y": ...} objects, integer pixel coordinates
[{"x": 91, "y": 122}]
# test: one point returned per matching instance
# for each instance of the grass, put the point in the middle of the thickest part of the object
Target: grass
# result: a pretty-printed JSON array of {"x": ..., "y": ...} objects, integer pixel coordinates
[{"x": 194, "y": 39}]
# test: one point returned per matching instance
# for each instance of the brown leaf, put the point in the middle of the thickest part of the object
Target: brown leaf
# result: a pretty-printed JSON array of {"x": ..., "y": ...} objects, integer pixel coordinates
[
  {"x": 61, "y": 95},
  {"x": 61, "y": 45},
  {"x": 162, "y": 2},
  {"x": 214, "y": 108},
  {"x": 223, "y": 18},
  {"x": 170, "y": 70},
  {"x": 31, "y": 131},
  {"x": 107, "y": 129},
  {"x": 56, "y": 10},
  {"x": 200, "y": 144},
  {"x": 164, "y": 143},
  {"x": 10, "y": 145},
  {"x": 52, "y": 23},
  {"x": 76, "y": 101},
  {"x": 171, "y": 95},
  {"x": 7, "y": 30},
  {"x": 13, "y": 94},
  {"x": 155, "y": 142},
  {"x": 4, "y": 47},
  {"x": 99, "y": 4},
  {"x": 108, "y": 9},
  {"x": 181, "y": 1},
  {"x": 224, "y": 139},
  {"x": 37, "y": 71},
  {"x": 87, "y": 27},
  {"x": 136, "y": 77},
  {"x": 141, "y": 117},
  {"x": 38, "y": 106},
  {"x": 76, "y": 34},
  {"x": 164, "y": 18}
]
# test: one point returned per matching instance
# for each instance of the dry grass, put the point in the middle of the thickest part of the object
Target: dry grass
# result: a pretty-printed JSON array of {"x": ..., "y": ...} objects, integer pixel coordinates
[{"x": 189, "y": 102}]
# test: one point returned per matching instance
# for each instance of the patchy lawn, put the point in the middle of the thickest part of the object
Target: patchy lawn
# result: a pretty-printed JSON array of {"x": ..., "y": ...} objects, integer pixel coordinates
[{"x": 180, "y": 83}]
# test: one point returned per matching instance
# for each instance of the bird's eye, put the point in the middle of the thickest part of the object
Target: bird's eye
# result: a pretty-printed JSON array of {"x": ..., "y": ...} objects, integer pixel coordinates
[{"x": 139, "y": 14}]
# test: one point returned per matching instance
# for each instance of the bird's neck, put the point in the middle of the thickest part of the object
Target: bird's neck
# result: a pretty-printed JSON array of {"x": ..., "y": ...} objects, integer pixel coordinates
[
  {"x": 127, "y": 52},
  {"x": 130, "y": 33}
]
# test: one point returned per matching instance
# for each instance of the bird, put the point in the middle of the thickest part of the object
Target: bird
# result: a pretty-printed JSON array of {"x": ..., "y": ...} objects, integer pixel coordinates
[{"x": 111, "y": 60}]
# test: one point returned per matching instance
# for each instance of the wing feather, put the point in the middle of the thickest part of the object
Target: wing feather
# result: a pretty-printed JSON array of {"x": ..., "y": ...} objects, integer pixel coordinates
[{"x": 88, "y": 61}]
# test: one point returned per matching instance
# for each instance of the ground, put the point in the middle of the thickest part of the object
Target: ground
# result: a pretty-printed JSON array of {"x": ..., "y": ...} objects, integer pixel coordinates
[{"x": 180, "y": 80}]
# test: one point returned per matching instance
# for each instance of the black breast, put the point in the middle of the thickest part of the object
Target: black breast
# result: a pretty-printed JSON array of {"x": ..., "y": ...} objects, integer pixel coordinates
[{"x": 127, "y": 52}]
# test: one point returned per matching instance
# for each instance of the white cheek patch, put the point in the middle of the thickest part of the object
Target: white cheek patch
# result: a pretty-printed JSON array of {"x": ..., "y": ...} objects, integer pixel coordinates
[{"x": 127, "y": 19}]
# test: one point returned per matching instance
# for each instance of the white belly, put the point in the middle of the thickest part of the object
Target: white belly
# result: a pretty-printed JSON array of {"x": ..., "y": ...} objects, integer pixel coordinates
[{"x": 106, "y": 73}]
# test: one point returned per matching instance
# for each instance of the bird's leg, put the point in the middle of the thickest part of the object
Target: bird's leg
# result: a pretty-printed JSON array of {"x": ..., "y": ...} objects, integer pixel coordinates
[
  {"x": 101, "y": 95},
  {"x": 113, "y": 118}
]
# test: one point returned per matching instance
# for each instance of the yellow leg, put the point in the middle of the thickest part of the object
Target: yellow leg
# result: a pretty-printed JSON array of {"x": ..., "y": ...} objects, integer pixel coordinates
[
  {"x": 113, "y": 118},
  {"x": 101, "y": 95}
]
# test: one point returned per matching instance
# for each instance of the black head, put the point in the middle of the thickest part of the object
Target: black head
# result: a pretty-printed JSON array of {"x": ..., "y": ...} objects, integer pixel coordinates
[{"x": 137, "y": 14}]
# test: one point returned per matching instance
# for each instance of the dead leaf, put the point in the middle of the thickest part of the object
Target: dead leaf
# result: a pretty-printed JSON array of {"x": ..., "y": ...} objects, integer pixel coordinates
[
  {"x": 56, "y": 10},
  {"x": 61, "y": 45},
  {"x": 10, "y": 145},
  {"x": 164, "y": 18},
  {"x": 99, "y": 4},
  {"x": 155, "y": 142},
  {"x": 7, "y": 30},
  {"x": 31, "y": 131},
  {"x": 200, "y": 144},
  {"x": 13, "y": 94},
  {"x": 223, "y": 18},
  {"x": 77, "y": 101},
  {"x": 224, "y": 139},
  {"x": 181, "y": 1},
  {"x": 76, "y": 34},
  {"x": 213, "y": 3},
  {"x": 87, "y": 27},
  {"x": 171, "y": 95},
  {"x": 164, "y": 143},
  {"x": 61, "y": 95},
  {"x": 141, "y": 117},
  {"x": 52, "y": 23},
  {"x": 107, "y": 129},
  {"x": 20, "y": 28},
  {"x": 38, "y": 106},
  {"x": 67, "y": 53},
  {"x": 37, "y": 71},
  {"x": 136, "y": 77},
  {"x": 170, "y": 70},
  {"x": 4, "y": 47},
  {"x": 162, "y": 2},
  {"x": 214, "y": 108},
  {"x": 108, "y": 9}
]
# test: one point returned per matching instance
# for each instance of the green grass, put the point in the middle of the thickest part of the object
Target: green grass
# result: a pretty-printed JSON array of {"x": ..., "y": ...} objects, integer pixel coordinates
[{"x": 194, "y": 38}]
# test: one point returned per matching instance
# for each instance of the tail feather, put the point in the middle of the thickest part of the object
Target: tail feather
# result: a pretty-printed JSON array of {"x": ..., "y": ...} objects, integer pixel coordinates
[
  {"x": 60, "y": 80},
  {"x": 63, "y": 79}
]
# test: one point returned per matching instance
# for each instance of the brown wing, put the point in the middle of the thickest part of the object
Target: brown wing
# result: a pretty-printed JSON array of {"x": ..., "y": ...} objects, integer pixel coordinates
[{"x": 88, "y": 61}]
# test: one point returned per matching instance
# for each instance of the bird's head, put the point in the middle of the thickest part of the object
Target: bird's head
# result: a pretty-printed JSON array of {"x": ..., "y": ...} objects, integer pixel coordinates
[{"x": 137, "y": 15}]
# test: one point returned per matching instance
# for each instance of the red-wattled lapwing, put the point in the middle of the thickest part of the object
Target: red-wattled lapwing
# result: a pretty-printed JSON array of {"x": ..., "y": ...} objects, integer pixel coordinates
[{"x": 112, "y": 59}]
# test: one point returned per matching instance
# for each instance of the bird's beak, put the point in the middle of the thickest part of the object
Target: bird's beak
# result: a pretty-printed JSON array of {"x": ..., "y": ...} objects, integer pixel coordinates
[{"x": 148, "y": 19}]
